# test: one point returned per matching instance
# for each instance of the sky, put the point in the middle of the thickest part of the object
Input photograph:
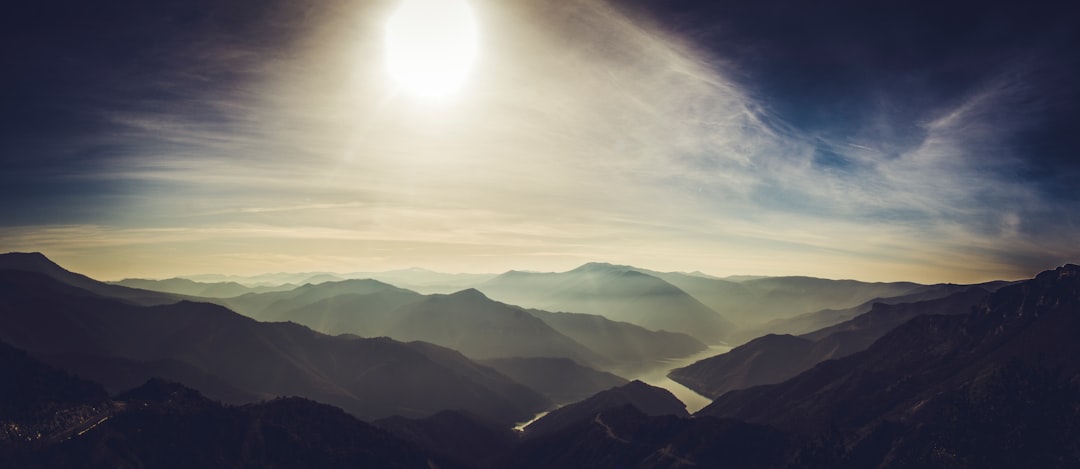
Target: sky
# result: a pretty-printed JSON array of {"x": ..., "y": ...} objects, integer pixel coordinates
[{"x": 843, "y": 139}]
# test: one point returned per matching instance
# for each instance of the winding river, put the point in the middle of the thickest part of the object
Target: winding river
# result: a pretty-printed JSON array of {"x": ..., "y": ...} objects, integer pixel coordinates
[{"x": 658, "y": 377}]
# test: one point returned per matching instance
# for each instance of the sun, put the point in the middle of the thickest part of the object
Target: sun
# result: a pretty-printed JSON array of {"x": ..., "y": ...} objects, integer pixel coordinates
[{"x": 431, "y": 46}]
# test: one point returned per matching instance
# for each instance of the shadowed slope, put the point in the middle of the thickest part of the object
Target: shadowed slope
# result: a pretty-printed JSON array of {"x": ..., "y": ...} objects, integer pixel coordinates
[
  {"x": 480, "y": 328},
  {"x": 368, "y": 377},
  {"x": 626, "y": 437},
  {"x": 775, "y": 358},
  {"x": 992, "y": 388},
  {"x": 650, "y": 400},
  {"x": 809, "y": 322},
  {"x": 37, "y": 263}
]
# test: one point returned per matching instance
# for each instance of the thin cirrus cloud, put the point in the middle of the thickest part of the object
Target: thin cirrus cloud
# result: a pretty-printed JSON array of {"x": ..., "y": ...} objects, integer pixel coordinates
[{"x": 584, "y": 133}]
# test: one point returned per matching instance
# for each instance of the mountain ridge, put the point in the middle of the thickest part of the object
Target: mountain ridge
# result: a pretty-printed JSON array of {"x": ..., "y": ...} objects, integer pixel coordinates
[
  {"x": 903, "y": 393},
  {"x": 776, "y": 357},
  {"x": 618, "y": 293},
  {"x": 261, "y": 358},
  {"x": 38, "y": 263}
]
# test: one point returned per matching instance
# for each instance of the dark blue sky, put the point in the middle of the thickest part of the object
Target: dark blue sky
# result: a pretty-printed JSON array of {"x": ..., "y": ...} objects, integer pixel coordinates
[
  {"x": 949, "y": 125},
  {"x": 839, "y": 67}
]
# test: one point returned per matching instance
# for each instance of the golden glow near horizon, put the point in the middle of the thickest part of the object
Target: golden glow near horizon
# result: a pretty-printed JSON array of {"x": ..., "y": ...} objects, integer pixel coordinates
[{"x": 431, "y": 46}]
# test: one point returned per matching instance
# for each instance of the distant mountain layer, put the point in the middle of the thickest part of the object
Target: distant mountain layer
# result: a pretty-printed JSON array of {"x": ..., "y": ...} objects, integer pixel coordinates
[
  {"x": 276, "y": 306},
  {"x": 367, "y": 314},
  {"x": 420, "y": 280},
  {"x": 654, "y": 300},
  {"x": 626, "y": 346},
  {"x": 466, "y": 321},
  {"x": 691, "y": 303},
  {"x": 368, "y": 377},
  {"x": 184, "y": 286},
  {"x": 426, "y": 281},
  {"x": 809, "y": 322},
  {"x": 478, "y": 327},
  {"x": 756, "y": 301},
  {"x": 271, "y": 279},
  {"x": 775, "y": 358},
  {"x": 615, "y": 292}
]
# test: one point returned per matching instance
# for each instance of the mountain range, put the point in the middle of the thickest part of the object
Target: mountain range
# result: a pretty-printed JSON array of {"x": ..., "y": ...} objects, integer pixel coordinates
[
  {"x": 808, "y": 322},
  {"x": 416, "y": 279},
  {"x": 650, "y": 400},
  {"x": 994, "y": 387},
  {"x": 748, "y": 307},
  {"x": 36, "y": 262},
  {"x": 370, "y": 378},
  {"x": 977, "y": 377},
  {"x": 774, "y": 358},
  {"x": 467, "y": 321},
  {"x": 183, "y": 286},
  {"x": 615, "y": 292}
]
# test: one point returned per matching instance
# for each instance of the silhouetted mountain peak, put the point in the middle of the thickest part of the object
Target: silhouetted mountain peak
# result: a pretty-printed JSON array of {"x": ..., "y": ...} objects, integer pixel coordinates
[
  {"x": 205, "y": 310},
  {"x": 1063, "y": 273},
  {"x": 619, "y": 293},
  {"x": 650, "y": 400},
  {"x": 601, "y": 267},
  {"x": 512, "y": 273},
  {"x": 35, "y": 262},
  {"x": 471, "y": 294},
  {"x": 1057, "y": 289},
  {"x": 359, "y": 283},
  {"x": 29, "y": 261},
  {"x": 469, "y": 299},
  {"x": 32, "y": 256}
]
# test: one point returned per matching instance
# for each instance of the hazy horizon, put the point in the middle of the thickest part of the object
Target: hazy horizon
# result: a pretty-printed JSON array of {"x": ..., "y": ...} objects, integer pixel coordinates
[{"x": 354, "y": 271}]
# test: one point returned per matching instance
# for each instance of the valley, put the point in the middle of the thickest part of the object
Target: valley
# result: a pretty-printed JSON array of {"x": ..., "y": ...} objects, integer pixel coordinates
[{"x": 659, "y": 377}]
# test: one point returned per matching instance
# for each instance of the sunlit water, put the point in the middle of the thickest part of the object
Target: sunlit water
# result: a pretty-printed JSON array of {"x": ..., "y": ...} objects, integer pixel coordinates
[
  {"x": 521, "y": 426},
  {"x": 658, "y": 377}
]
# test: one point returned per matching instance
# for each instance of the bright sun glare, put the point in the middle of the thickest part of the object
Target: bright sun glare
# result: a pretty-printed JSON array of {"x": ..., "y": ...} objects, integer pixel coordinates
[{"x": 431, "y": 46}]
